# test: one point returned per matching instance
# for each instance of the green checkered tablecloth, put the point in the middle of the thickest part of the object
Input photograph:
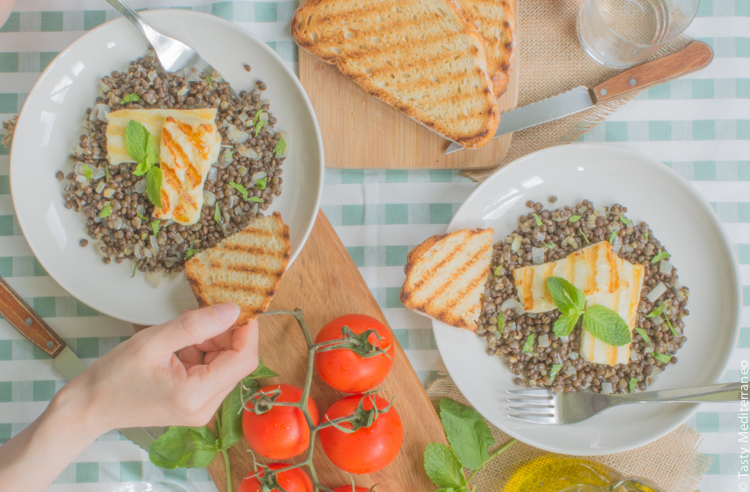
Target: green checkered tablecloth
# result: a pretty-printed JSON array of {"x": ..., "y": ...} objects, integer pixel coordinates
[{"x": 699, "y": 126}]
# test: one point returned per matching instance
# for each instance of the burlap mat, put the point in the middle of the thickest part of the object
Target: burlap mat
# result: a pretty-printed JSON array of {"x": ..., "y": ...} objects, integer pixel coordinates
[
  {"x": 551, "y": 60},
  {"x": 671, "y": 462}
]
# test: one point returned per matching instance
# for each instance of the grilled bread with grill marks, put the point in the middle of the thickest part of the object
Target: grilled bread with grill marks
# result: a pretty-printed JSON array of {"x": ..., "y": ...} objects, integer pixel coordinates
[
  {"x": 496, "y": 22},
  {"x": 446, "y": 276},
  {"x": 245, "y": 268},
  {"x": 420, "y": 56}
]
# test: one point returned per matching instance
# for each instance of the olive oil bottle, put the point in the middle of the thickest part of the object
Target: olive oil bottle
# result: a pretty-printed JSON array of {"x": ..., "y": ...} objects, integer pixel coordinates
[{"x": 551, "y": 473}]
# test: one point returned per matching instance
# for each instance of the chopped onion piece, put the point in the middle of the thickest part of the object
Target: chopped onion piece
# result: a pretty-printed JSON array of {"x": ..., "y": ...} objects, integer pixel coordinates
[
  {"x": 108, "y": 193},
  {"x": 152, "y": 75},
  {"x": 616, "y": 245},
  {"x": 258, "y": 176},
  {"x": 537, "y": 256},
  {"x": 543, "y": 341},
  {"x": 137, "y": 252},
  {"x": 98, "y": 173},
  {"x": 153, "y": 279},
  {"x": 564, "y": 339},
  {"x": 573, "y": 355},
  {"x": 243, "y": 117},
  {"x": 656, "y": 292},
  {"x": 99, "y": 112},
  {"x": 627, "y": 248},
  {"x": 179, "y": 239},
  {"x": 248, "y": 152},
  {"x": 81, "y": 179},
  {"x": 79, "y": 169},
  {"x": 516, "y": 246},
  {"x": 665, "y": 267},
  {"x": 648, "y": 349},
  {"x": 209, "y": 199},
  {"x": 154, "y": 243},
  {"x": 511, "y": 326},
  {"x": 607, "y": 388},
  {"x": 539, "y": 236},
  {"x": 657, "y": 320},
  {"x": 236, "y": 135},
  {"x": 140, "y": 187},
  {"x": 512, "y": 304},
  {"x": 213, "y": 173},
  {"x": 634, "y": 356},
  {"x": 570, "y": 370}
]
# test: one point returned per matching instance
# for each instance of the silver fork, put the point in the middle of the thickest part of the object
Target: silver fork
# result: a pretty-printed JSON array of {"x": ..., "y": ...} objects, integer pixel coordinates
[
  {"x": 171, "y": 53},
  {"x": 539, "y": 406}
]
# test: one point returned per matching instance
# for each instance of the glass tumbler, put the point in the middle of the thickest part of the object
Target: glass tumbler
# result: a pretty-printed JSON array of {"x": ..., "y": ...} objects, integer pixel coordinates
[
  {"x": 623, "y": 33},
  {"x": 165, "y": 485}
]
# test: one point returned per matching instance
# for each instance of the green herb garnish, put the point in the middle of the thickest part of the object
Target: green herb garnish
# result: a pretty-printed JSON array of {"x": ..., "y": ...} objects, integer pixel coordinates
[
  {"x": 88, "y": 172},
  {"x": 258, "y": 123},
  {"x": 550, "y": 245},
  {"x": 500, "y": 323},
  {"x": 607, "y": 326},
  {"x": 155, "y": 227},
  {"x": 261, "y": 184},
  {"x": 584, "y": 236},
  {"x": 190, "y": 252},
  {"x": 135, "y": 266},
  {"x": 633, "y": 384},
  {"x": 672, "y": 328},
  {"x": 645, "y": 236},
  {"x": 280, "y": 147},
  {"x": 255, "y": 199},
  {"x": 241, "y": 189},
  {"x": 662, "y": 357},
  {"x": 537, "y": 219},
  {"x": 644, "y": 335},
  {"x": 132, "y": 97},
  {"x": 140, "y": 146},
  {"x": 106, "y": 211},
  {"x": 217, "y": 214},
  {"x": 574, "y": 218},
  {"x": 554, "y": 370},
  {"x": 208, "y": 79},
  {"x": 528, "y": 345},
  {"x": 612, "y": 237},
  {"x": 661, "y": 256},
  {"x": 496, "y": 271},
  {"x": 106, "y": 171},
  {"x": 624, "y": 220},
  {"x": 657, "y": 311},
  {"x": 141, "y": 216}
]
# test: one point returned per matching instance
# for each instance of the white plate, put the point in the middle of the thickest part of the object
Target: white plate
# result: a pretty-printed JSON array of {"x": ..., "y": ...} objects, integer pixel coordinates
[
  {"x": 682, "y": 221},
  {"x": 49, "y": 128}
]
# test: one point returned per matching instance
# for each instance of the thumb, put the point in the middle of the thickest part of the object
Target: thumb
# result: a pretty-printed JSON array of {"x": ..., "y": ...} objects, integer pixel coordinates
[{"x": 194, "y": 327}]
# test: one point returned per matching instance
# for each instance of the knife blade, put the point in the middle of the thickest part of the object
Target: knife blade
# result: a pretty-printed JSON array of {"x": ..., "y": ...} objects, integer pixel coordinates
[
  {"x": 24, "y": 319},
  {"x": 694, "y": 56}
]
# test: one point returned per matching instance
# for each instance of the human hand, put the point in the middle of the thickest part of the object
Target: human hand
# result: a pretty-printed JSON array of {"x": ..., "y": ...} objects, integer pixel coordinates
[{"x": 177, "y": 373}]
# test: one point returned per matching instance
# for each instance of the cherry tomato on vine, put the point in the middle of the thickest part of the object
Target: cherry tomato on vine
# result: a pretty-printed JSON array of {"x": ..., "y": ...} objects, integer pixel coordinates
[
  {"x": 368, "y": 449},
  {"x": 281, "y": 432},
  {"x": 294, "y": 480},
  {"x": 346, "y": 371}
]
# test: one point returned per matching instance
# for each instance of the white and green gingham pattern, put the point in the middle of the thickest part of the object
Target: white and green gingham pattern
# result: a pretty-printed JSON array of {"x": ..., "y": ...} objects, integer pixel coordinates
[{"x": 698, "y": 125}]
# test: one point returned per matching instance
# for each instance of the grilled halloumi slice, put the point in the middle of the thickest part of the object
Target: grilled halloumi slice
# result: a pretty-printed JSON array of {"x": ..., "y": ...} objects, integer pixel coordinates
[
  {"x": 153, "y": 120},
  {"x": 188, "y": 147},
  {"x": 604, "y": 277}
]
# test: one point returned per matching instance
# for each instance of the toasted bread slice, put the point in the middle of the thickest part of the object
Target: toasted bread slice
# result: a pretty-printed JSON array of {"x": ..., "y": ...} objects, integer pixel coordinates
[
  {"x": 496, "y": 22},
  {"x": 420, "y": 56},
  {"x": 446, "y": 276},
  {"x": 245, "y": 268}
]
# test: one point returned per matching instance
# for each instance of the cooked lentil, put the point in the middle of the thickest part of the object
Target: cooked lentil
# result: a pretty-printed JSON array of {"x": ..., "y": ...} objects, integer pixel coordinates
[
  {"x": 638, "y": 245},
  {"x": 123, "y": 234},
  {"x": 84, "y": 243}
]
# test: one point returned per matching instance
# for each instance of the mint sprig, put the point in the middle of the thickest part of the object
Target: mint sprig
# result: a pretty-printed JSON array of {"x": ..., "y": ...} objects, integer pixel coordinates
[
  {"x": 607, "y": 326},
  {"x": 470, "y": 440},
  {"x": 141, "y": 148}
]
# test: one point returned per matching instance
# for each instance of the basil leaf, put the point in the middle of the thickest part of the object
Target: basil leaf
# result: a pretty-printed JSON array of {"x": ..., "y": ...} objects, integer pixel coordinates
[
  {"x": 565, "y": 324},
  {"x": 554, "y": 370},
  {"x": 574, "y": 218},
  {"x": 255, "y": 199},
  {"x": 644, "y": 335},
  {"x": 442, "y": 467},
  {"x": 231, "y": 418},
  {"x": 132, "y": 97},
  {"x": 565, "y": 295},
  {"x": 537, "y": 219},
  {"x": 153, "y": 186},
  {"x": 136, "y": 140},
  {"x": 625, "y": 221},
  {"x": 528, "y": 345},
  {"x": 467, "y": 433},
  {"x": 657, "y": 311},
  {"x": 607, "y": 326},
  {"x": 661, "y": 256},
  {"x": 261, "y": 372},
  {"x": 185, "y": 447},
  {"x": 261, "y": 184},
  {"x": 279, "y": 148},
  {"x": 241, "y": 189},
  {"x": 662, "y": 357},
  {"x": 106, "y": 211},
  {"x": 217, "y": 215},
  {"x": 633, "y": 384}
]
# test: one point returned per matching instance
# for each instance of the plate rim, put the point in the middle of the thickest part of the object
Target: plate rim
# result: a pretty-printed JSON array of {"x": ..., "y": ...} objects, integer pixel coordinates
[
  {"x": 23, "y": 115},
  {"x": 725, "y": 242}
]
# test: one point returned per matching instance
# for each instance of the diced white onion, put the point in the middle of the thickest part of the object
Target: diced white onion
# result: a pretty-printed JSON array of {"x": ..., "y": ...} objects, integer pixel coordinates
[
  {"x": 79, "y": 169},
  {"x": 649, "y": 349},
  {"x": 209, "y": 199},
  {"x": 78, "y": 150},
  {"x": 665, "y": 267},
  {"x": 232, "y": 200},
  {"x": 540, "y": 236},
  {"x": 573, "y": 355},
  {"x": 81, "y": 179},
  {"x": 140, "y": 186},
  {"x": 152, "y": 75},
  {"x": 511, "y": 326},
  {"x": 570, "y": 370},
  {"x": 248, "y": 152},
  {"x": 243, "y": 117},
  {"x": 137, "y": 252},
  {"x": 257, "y": 176},
  {"x": 117, "y": 223},
  {"x": 627, "y": 248},
  {"x": 516, "y": 245},
  {"x": 513, "y": 304},
  {"x": 98, "y": 173},
  {"x": 607, "y": 388},
  {"x": 103, "y": 87},
  {"x": 634, "y": 356},
  {"x": 226, "y": 158},
  {"x": 236, "y": 135},
  {"x": 99, "y": 112},
  {"x": 154, "y": 242},
  {"x": 657, "y": 320},
  {"x": 543, "y": 341},
  {"x": 537, "y": 256},
  {"x": 153, "y": 279},
  {"x": 179, "y": 239},
  {"x": 183, "y": 90},
  {"x": 616, "y": 245},
  {"x": 656, "y": 292},
  {"x": 213, "y": 173},
  {"x": 564, "y": 339},
  {"x": 108, "y": 193}
]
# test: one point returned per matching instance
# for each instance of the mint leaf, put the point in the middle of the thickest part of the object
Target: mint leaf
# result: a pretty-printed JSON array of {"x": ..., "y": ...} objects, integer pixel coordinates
[
  {"x": 190, "y": 253},
  {"x": 645, "y": 236},
  {"x": 565, "y": 324},
  {"x": 633, "y": 383},
  {"x": 672, "y": 328},
  {"x": 256, "y": 119},
  {"x": 261, "y": 184},
  {"x": 136, "y": 140},
  {"x": 259, "y": 126},
  {"x": 142, "y": 217},
  {"x": 496, "y": 271},
  {"x": 155, "y": 227},
  {"x": 185, "y": 447},
  {"x": 240, "y": 188},
  {"x": 657, "y": 311},
  {"x": 151, "y": 157},
  {"x": 606, "y": 325},
  {"x": 467, "y": 433},
  {"x": 625, "y": 221},
  {"x": 537, "y": 219},
  {"x": 661, "y": 256},
  {"x": 132, "y": 97},
  {"x": 550, "y": 245},
  {"x": 612, "y": 237},
  {"x": 153, "y": 186},
  {"x": 584, "y": 236},
  {"x": 662, "y": 357},
  {"x": 443, "y": 467},
  {"x": 88, "y": 172},
  {"x": 574, "y": 218},
  {"x": 208, "y": 80},
  {"x": 500, "y": 323},
  {"x": 554, "y": 370},
  {"x": 565, "y": 295},
  {"x": 141, "y": 169},
  {"x": 106, "y": 171},
  {"x": 106, "y": 211},
  {"x": 255, "y": 199},
  {"x": 528, "y": 345},
  {"x": 279, "y": 148},
  {"x": 217, "y": 214},
  {"x": 644, "y": 335}
]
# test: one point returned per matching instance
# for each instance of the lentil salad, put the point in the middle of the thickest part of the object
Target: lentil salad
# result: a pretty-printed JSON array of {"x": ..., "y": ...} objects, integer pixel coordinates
[
  {"x": 527, "y": 343},
  {"x": 239, "y": 186}
]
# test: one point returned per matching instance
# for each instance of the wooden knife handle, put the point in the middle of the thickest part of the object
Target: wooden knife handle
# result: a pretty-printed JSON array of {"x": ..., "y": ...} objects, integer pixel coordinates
[
  {"x": 694, "y": 56},
  {"x": 29, "y": 323}
]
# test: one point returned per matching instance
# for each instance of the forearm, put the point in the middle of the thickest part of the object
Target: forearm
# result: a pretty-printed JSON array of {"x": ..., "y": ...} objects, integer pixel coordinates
[{"x": 35, "y": 457}]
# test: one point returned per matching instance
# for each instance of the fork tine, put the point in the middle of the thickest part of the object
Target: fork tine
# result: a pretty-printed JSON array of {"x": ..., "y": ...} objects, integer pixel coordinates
[
  {"x": 532, "y": 409},
  {"x": 540, "y": 401},
  {"x": 529, "y": 404},
  {"x": 531, "y": 392},
  {"x": 533, "y": 419}
]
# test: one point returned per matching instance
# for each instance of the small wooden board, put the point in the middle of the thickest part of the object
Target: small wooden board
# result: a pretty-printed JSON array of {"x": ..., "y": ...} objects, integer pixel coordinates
[
  {"x": 362, "y": 132},
  {"x": 324, "y": 282}
]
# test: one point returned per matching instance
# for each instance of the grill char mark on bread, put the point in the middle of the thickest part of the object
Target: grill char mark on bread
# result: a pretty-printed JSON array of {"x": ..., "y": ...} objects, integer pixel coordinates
[
  {"x": 420, "y": 56},
  {"x": 446, "y": 275}
]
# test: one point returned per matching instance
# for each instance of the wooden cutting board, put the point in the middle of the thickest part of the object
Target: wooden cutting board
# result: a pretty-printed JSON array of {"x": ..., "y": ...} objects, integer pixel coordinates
[
  {"x": 362, "y": 132},
  {"x": 324, "y": 282}
]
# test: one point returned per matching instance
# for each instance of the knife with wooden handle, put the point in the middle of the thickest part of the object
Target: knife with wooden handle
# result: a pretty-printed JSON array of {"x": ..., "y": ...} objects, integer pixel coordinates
[
  {"x": 694, "y": 56},
  {"x": 23, "y": 318}
]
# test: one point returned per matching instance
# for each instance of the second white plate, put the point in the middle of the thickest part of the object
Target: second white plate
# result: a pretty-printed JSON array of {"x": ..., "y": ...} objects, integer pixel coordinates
[{"x": 682, "y": 221}]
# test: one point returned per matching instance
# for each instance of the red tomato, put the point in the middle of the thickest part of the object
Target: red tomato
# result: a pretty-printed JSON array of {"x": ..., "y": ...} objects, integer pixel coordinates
[
  {"x": 282, "y": 432},
  {"x": 348, "y": 488},
  {"x": 346, "y": 371},
  {"x": 368, "y": 449},
  {"x": 294, "y": 480}
]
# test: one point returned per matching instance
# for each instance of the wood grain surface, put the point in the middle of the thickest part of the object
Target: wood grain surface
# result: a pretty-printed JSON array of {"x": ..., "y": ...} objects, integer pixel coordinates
[
  {"x": 324, "y": 282},
  {"x": 362, "y": 132}
]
